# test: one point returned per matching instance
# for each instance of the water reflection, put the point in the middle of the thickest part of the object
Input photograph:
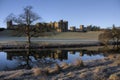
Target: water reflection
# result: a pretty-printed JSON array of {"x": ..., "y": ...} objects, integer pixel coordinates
[
  {"x": 29, "y": 58},
  {"x": 38, "y": 54},
  {"x": 52, "y": 54}
]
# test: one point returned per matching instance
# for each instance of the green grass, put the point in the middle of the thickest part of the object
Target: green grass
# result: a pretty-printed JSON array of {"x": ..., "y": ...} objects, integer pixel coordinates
[
  {"x": 62, "y": 35},
  {"x": 77, "y": 35}
]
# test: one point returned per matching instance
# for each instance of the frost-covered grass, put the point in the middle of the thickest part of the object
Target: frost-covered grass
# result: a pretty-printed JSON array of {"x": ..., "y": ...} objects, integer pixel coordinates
[{"x": 102, "y": 69}]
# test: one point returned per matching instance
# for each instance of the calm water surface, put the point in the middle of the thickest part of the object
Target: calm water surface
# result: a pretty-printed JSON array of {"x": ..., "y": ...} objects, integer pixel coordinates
[{"x": 10, "y": 60}]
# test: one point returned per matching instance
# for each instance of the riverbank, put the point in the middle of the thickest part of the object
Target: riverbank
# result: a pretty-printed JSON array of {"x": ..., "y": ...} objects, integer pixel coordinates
[
  {"x": 57, "y": 40},
  {"x": 102, "y": 69},
  {"x": 39, "y": 45}
]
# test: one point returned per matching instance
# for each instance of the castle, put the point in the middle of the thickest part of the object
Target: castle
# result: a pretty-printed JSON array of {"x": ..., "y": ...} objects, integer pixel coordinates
[{"x": 60, "y": 26}]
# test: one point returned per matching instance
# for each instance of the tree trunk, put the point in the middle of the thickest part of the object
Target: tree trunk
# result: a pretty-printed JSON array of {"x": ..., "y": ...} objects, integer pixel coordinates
[
  {"x": 28, "y": 59},
  {"x": 29, "y": 40},
  {"x": 28, "y": 36},
  {"x": 117, "y": 43},
  {"x": 114, "y": 43}
]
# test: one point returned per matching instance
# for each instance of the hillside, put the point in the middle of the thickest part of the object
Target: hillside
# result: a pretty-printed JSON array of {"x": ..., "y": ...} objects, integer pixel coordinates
[
  {"x": 78, "y": 35},
  {"x": 62, "y": 35},
  {"x": 6, "y": 33}
]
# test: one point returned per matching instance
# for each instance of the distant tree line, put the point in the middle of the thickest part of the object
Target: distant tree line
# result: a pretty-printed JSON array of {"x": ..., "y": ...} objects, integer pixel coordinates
[
  {"x": 110, "y": 36},
  {"x": 2, "y": 29},
  {"x": 93, "y": 28}
]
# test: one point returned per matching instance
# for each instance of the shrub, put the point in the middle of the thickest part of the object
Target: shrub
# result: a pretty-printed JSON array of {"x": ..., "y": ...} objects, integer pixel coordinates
[
  {"x": 115, "y": 76},
  {"x": 71, "y": 74},
  {"x": 2, "y": 29},
  {"x": 37, "y": 71},
  {"x": 82, "y": 75},
  {"x": 55, "y": 69},
  {"x": 79, "y": 63},
  {"x": 64, "y": 65},
  {"x": 117, "y": 63},
  {"x": 14, "y": 75}
]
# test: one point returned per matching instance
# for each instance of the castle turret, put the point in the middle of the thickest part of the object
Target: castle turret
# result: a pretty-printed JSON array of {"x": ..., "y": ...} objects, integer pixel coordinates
[
  {"x": 9, "y": 24},
  {"x": 63, "y": 25}
]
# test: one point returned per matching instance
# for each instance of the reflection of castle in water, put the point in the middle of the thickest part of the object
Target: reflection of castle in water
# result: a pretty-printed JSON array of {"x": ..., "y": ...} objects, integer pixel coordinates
[
  {"x": 29, "y": 58},
  {"x": 56, "y": 54},
  {"x": 83, "y": 52},
  {"x": 52, "y": 54},
  {"x": 37, "y": 54}
]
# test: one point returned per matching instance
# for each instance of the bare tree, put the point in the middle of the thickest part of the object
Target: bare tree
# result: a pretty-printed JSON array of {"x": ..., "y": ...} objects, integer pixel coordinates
[
  {"x": 25, "y": 21},
  {"x": 116, "y": 35},
  {"x": 105, "y": 37},
  {"x": 110, "y": 35}
]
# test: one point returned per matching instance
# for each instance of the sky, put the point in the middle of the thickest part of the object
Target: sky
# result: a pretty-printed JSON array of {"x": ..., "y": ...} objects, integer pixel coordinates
[{"x": 103, "y": 13}]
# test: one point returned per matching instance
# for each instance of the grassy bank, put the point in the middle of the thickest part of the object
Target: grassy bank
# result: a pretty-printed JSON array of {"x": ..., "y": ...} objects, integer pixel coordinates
[{"x": 40, "y": 45}]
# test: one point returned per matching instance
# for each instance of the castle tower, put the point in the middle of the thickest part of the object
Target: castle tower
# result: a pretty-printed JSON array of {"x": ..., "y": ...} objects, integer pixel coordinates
[
  {"x": 72, "y": 28},
  {"x": 81, "y": 27},
  {"x": 9, "y": 24},
  {"x": 63, "y": 25}
]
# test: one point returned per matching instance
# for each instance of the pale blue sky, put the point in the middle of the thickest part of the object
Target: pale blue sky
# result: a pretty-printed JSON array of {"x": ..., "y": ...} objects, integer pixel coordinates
[{"x": 102, "y": 13}]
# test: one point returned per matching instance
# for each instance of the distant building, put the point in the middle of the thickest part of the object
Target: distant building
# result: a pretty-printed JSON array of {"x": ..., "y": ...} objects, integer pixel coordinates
[
  {"x": 10, "y": 25},
  {"x": 73, "y": 28},
  {"x": 60, "y": 26},
  {"x": 81, "y": 27},
  {"x": 89, "y": 27},
  {"x": 78, "y": 30}
]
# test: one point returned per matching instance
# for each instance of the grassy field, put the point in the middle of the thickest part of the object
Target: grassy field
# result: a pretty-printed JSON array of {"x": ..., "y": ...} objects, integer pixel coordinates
[
  {"x": 78, "y": 35},
  {"x": 6, "y": 33},
  {"x": 63, "y": 35}
]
